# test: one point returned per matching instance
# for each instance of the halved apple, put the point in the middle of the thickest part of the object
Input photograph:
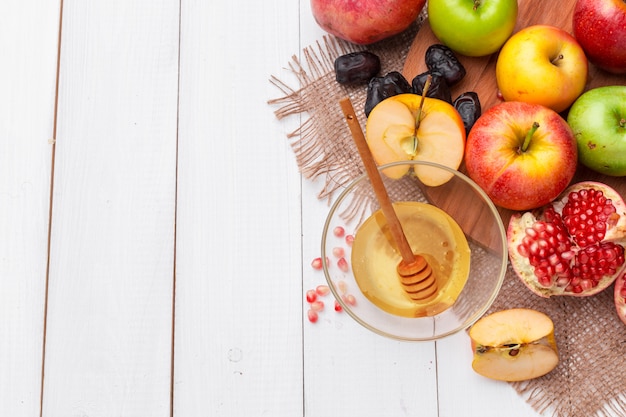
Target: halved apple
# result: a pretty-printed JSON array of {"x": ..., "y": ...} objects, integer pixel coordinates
[
  {"x": 398, "y": 129},
  {"x": 514, "y": 345}
]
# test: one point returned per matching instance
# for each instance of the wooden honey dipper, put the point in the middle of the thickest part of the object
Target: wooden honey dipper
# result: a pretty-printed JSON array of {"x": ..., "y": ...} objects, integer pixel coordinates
[{"x": 416, "y": 275}]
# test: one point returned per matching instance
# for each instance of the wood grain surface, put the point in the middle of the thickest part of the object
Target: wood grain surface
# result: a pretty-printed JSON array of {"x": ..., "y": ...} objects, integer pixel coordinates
[{"x": 481, "y": 78}]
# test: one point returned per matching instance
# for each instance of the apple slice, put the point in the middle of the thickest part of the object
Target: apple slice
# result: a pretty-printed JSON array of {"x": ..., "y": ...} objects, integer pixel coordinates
[
  {"x": 514, "y": 345},
  {"x": 396, "y": 130}
]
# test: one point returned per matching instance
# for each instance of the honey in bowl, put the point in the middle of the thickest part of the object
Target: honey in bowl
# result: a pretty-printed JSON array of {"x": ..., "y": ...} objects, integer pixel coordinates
[{"x": 433, "y": 234}]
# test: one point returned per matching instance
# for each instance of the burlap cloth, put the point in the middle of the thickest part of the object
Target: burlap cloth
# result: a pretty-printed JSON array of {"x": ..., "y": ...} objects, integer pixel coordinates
[{"x": 590, "y": 378}]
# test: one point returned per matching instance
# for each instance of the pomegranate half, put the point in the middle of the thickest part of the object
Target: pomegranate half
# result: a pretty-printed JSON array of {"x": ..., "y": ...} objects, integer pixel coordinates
[{"x": 573, "y": 246}]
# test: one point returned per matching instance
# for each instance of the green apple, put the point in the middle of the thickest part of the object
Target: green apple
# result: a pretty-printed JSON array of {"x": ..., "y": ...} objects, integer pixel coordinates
[
  {"x": 598, "y": 120},
  {"x": 473, "y": 27}
]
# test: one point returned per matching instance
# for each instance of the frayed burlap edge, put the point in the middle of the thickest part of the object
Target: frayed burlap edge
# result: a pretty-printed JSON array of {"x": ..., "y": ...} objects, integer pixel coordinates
[
  {"x": 323, "y": 145},
  {"x": 589, "y": 378},
  {"x": 310, "y": 142}
]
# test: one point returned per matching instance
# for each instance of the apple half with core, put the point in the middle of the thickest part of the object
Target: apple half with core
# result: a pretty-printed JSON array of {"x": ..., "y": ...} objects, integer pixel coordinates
[
  {"x": 514, "y": 345},
  {"x": 365, "y": 22},
  {"x": 472, "y": 27},
  {"x": 542, "y": 64},
  {"x": 598, "y": 120},
  {"x": 600, "y": 28},
  {"x": 522, "y": 155},
  {"x": 408, "y": 127}
]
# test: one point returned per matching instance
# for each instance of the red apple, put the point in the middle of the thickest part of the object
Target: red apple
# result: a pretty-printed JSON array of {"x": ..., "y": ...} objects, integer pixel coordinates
[
  {"x": 366, "y": 21},
  {"x": 600, "y": 28},
  {"x": 522, "y": 154}
]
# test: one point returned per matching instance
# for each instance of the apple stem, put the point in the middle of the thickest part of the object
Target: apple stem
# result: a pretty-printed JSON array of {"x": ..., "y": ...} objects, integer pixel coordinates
[
  {"x": 476, "y": 4},
  {"x": 420, "y": 109},
  {"x": 557, "y": 59},
  {"x": 529, "y": 135},
  {"x": 622, "y": 123}
]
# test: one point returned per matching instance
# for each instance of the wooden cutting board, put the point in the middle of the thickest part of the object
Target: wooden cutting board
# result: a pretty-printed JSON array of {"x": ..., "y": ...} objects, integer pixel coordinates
[{"x": 481, "y": 78}]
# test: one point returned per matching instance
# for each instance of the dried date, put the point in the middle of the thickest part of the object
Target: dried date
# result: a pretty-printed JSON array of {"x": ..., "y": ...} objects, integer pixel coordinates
[
  {"x": 468, "y": 106},
  {"x": 441, "y": 59},
  {"x": 356, "y": 67},
  {"x": 380, "y": 88},
  {"x": 438, "y": 86}
]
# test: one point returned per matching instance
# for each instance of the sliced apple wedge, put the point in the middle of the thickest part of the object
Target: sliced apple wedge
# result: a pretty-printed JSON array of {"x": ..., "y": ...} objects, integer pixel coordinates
[
  {"x": 514, "y": 345},
  {"x": 398, "y": 129}
]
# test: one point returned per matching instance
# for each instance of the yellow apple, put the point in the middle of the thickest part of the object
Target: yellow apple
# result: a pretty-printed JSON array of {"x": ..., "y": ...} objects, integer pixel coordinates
[
  {"x": 542, "y": 64},
  {"x": 398, "y": 129},
  {"x": 514, "y": 345}
]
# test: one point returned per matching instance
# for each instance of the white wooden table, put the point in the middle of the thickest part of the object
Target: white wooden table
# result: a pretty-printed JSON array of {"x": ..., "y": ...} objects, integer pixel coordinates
[{"x": 156, "y": 235}]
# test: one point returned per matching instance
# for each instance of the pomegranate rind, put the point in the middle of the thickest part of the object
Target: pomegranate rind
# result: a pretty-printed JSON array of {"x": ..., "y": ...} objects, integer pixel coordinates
[
  {"x": 519, "y": 222},
  {"x": 524, "y": 271},
  {"x": 620, "y": 303}
]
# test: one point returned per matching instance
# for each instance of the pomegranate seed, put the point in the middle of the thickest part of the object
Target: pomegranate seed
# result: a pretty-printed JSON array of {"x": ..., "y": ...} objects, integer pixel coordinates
[
  {"x": 523, "y": 250},
  {"x": 311, "y": 296},
  {"x": 539, "y": 227},
  {"x": 583, "y": 257},
  {"x": 339, "y": 231},
  {"x": 560, "y": 268},
  {"x": 349, "y": 240},
  {"x": 322, "y": 290},
  {"x": 531, "y": 232},
  {"x": 554, "y": 259},
  {"x": 349, "y": 299},
  {"x": 587, "y": 284},
  {"x": 313, "y": 316},
  {"x": 341, "y": 285},
  {"x": 317, "y": 305},
  {"x": 343, "y": 264},
  {"x": 534, "y": 248},
  {"x": 536, "y": 260},
  {"x": 608, "y": 254},
  {"x": 338, "y": 307},
  {"x": 562, "y": 281},
  {"x": 339, "y": 252},
  {"x": 545, "y": 281},
  {"x": 317, "y": 263},
  {"x": 553, "y": 242},
  {"x": 541, "y": 272}
]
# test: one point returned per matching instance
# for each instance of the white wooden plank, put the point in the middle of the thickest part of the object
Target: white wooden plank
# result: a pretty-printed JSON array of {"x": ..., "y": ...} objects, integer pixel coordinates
[
  {"x": 238, "y": 309},
  {"x": 111, "y": 272},
  {"x": 28, "y": 41}
]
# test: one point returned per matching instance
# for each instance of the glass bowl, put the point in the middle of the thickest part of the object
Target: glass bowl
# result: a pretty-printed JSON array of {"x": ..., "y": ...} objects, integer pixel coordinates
[{"x": 376, "y": 299}]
